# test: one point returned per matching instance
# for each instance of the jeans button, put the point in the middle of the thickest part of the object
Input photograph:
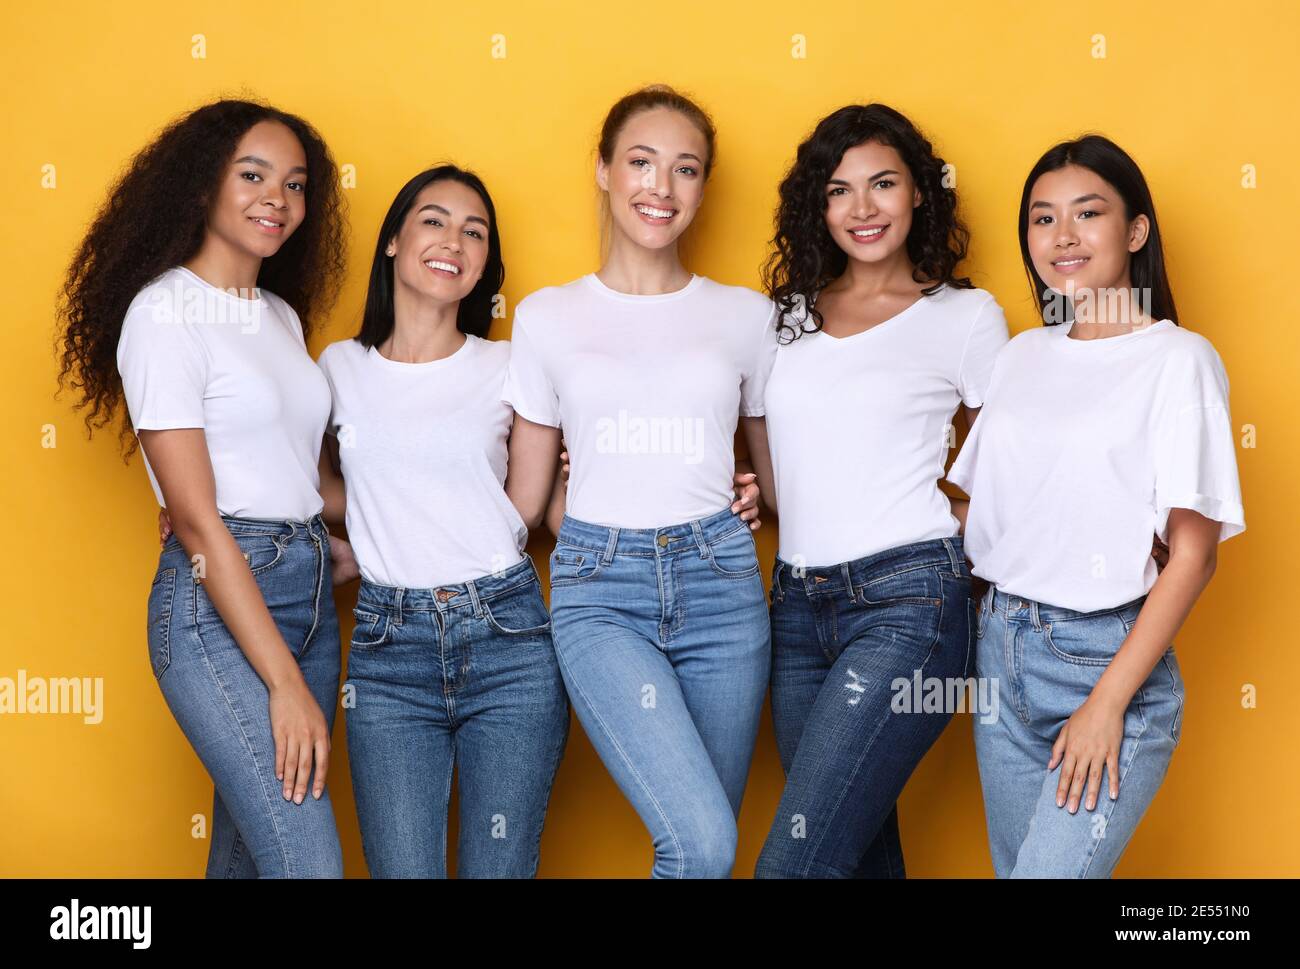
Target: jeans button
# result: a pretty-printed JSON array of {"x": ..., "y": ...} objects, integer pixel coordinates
[{"x": 663, "y": 541}]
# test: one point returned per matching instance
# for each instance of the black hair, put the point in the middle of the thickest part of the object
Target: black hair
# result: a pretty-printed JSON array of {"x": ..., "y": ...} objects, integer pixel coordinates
[
  {"x": 474, "y": 316},
  {"x": 806, "y": 257},
  {"x": 1113, "y": 165}
]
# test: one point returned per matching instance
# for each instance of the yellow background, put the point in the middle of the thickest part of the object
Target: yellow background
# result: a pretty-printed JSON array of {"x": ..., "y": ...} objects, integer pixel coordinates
[{"x": 1193, "y": 90}]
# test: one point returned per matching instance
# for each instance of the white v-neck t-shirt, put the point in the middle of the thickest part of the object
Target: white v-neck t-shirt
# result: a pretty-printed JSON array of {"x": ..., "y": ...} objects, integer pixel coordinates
[
  {"x": 860, "y": 427},
  {"x": 647, "y": 389},
  {"x": 1081, "y": 451},
  {"x": 193, "y": 355},
  {"x": 423, "y": 449}
]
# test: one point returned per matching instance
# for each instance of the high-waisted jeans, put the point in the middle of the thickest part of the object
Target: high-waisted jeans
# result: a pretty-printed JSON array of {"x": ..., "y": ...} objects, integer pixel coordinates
[
  {"x": 849, "y": 642},
  {"x": 220, "y": 701},
  {"x": 1046, "y": 660},
  {"x": 462, "y": 675},
  {"x": 663, "y": 641}
]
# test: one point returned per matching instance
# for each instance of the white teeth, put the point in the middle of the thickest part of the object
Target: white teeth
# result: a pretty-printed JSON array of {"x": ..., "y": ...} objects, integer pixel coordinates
[
  {"x": 867, "y": 233},
  {"x": 1069, "y": 262},
  {"x": 655, "y": 213},
  {"x": 274, "y": 225},
  {"x": 445, "y": 266}
]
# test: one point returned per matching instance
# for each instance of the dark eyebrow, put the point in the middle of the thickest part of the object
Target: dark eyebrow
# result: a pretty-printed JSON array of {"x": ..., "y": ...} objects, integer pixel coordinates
[
  {"x": 266, "y": 164},
  {"x": 1094, "y": 197},
  {"x": 647, "y": 148},
  {"x": 439, "y": 208},
  {"x": 840, "y": 181}
]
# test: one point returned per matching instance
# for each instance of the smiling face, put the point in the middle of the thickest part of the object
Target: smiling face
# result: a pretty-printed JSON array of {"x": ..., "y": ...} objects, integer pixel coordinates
[
  {"x": 869, "y": 202},
  {"x": 655, "y": 177},
  {"x": 442, "y": 247},
  {"x": 262, "y": 197},
  {"x": 1078, "y": 235}
]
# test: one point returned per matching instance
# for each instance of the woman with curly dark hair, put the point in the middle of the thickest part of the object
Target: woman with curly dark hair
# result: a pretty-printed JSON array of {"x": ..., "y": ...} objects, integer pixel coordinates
[
  {"x": 881, "y": 341},
  {"x": 189, "y": 301}
]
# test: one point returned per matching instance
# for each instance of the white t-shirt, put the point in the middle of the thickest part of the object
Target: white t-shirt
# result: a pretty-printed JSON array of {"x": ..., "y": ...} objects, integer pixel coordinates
[
  {"x": 193, "y": 355},
  {"x": 860, "y": 427},
  {"x": 1080, "y": 452},
  {"x": 648, "y": 390},
  {"x": 423, "y": 449}
]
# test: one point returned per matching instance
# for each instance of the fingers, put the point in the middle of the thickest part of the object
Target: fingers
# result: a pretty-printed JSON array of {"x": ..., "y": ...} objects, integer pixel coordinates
[
  {"x": 1065, "y": 779},
  {"x": 282, "y": 761},
  {"x": 1058, "y": 749},
  {"x": 1094, "y": 784},
  {"x": 322, "y": 766},
  {"x": 305, "y": 751},
  {"x": 1112, "y": 772}
]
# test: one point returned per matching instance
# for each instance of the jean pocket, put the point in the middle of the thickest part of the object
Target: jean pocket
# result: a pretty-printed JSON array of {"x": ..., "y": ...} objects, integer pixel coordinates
[
  {"x": 918, "y": 586},
  {"x": 570, "y": 565},
  {"x": 1087, "y": 641},
  {"x": 371, "y": 629},
  {"x": 523, "y": 614},
  {"x": 161, "y": 596},
  {"x": 262, "y": 551},
  {"x": 734, "y": 556}
]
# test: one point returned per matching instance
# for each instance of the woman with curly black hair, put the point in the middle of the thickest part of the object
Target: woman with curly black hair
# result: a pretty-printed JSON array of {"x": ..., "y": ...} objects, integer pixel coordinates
[
  {"x": 189, "y": 301},
  {"x": 881, "y": 341}
]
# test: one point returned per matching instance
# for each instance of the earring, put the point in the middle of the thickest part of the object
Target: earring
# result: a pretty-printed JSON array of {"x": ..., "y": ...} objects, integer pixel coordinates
[{"x": 392, "y": 252}]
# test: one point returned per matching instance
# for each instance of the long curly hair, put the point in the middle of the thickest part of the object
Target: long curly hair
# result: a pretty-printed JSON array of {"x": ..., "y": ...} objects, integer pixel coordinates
[
  {"x": 155, "y": 217},
  {"x": 805, "y": 256}
]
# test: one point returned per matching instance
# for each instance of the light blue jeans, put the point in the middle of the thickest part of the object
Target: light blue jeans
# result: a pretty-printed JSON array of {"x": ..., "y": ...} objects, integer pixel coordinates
[
  {"x": 664, "y": 644},
  {"x": 221, "y": 703},
  {"x": 1046, "y": 660}
]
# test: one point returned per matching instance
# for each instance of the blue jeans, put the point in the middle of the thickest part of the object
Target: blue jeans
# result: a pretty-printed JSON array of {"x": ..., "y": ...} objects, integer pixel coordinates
[
  {"x": 848, "y": 643},
  {"x": 663, "y": 641},
  {"x": 220, "y": 701},
  {"x": 462, "y": 675},
  {"x": 1047, "y": 660}
]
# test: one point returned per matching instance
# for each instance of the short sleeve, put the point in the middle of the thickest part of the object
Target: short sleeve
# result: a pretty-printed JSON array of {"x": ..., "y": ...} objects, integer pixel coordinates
[
  {"x": 988, "y": 335},
  {"x": 1196, "y": 461},
  {"x": 753, "y": 381},
  {"x": 527, "y": 387},
  {"x": 325, "y": 363},
  {"x": 164, "y": 368}
]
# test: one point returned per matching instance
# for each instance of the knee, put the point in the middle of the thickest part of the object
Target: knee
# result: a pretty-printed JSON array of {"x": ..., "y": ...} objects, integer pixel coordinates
[{"x": 708, "y": 851}]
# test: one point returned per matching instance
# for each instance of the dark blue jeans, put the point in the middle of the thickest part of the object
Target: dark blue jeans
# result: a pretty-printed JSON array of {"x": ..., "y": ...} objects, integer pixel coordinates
[
  {"x": 845, "y": 638},
  {"x": 460, "y": 676}
]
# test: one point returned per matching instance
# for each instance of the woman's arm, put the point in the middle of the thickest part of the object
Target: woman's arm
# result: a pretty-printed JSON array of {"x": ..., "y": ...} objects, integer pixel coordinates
[
  {"x": 332, "y": 489},
  {"x": 1091, "y": 738},
  {"x": 179, "y": 459},
  {"x": 530, "y": 474},
  {"x": 760, "y": 459}
]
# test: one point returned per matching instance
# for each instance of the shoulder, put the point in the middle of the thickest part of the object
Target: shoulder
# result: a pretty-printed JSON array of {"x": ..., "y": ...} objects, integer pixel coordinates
[
  {"x": 550, "y": 303},
  {"x": 341, "y": 351},
  {"x": 161, "y": 300},
  {"x": 493, "y": 353},
  {"x": 1189, "y": 355},
  {"x": 965, "y": 306},
  {"x": 741, "y": 300}
]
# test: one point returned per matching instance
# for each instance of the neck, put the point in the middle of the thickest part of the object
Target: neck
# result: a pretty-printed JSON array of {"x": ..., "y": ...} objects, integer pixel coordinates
[
  {"x": 868, "y": 279},
  {"x": 638, "y": 271},
  {"x": 225, "y": 266},
  {"x": 1109, "y": 312},
  {"x": 423, "y": 330}
]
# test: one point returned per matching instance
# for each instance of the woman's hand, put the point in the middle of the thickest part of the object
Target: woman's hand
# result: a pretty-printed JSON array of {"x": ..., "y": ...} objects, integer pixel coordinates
[
  {"x": 301, "y": 734},
  {"x": 747, "y": 495},
  {"x": 1159, "y": 552},
  {"x": 343, "y": 564},
  {"x": 1088, "y": 742},
  {"x": 164, "y": 526}
]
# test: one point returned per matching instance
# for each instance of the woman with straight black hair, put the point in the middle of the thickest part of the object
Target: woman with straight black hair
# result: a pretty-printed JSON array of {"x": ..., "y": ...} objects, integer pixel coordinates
[
  {"x": 1107, "y": 424},
  {"x": 189, "y": 301},
  {"x": 451, "y": 664}
]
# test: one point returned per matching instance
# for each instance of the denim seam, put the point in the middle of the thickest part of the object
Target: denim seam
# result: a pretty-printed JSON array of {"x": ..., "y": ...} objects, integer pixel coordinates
[
  {"x": 1173, "y": 686},
  {"x": 600, "y": 721},
  {"x": 243, "y": 734}
]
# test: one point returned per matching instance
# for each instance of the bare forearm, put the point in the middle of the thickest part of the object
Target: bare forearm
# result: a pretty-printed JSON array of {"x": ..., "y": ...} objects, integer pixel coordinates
[
  {"x": 555, "y": 507},
  {"x": 223, "y": 572},
  {"x": 1166, "y": 608}
]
